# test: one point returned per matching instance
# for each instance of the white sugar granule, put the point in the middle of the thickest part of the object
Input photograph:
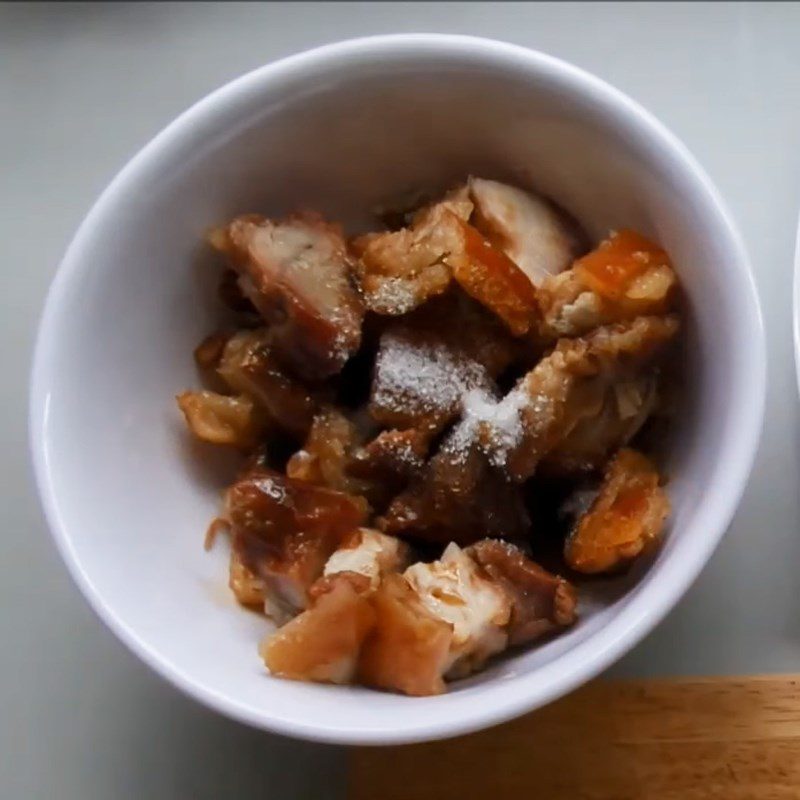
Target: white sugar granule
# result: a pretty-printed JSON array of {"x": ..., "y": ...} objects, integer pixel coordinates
[
  {"x": 393, "y": 296},
  {"x": 498, "y": 425},
  {"x": 423, "y": 377},
  {"x": 498, "y": 422}
]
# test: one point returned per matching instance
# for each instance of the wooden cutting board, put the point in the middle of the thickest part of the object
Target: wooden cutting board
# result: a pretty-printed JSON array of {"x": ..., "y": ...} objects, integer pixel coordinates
[{"x": 693, "y": 739}]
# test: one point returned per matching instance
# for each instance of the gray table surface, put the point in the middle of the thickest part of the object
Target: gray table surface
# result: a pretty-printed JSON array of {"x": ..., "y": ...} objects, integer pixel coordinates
[{"x": 83, "y": 87}]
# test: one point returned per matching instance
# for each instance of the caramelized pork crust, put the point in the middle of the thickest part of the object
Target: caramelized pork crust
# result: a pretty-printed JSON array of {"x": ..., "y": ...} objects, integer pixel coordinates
[
  {"x": 247, "y": 364},
  {"x": 459, "y": 497},
  {"x": 540, "y": 601},
  {"x": 626, "y": 276},
  {"x": 625, "y": 520},
  {"x": 285, "y": 530}
]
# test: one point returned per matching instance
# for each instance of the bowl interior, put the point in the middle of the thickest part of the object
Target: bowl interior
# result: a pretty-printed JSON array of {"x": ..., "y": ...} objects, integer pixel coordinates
[{"x": 129, "y": 495}]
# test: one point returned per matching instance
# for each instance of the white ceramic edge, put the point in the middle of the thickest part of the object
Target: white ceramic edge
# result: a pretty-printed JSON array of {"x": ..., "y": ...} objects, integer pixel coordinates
[
  {"x": 586, "y": 660},
  {"x": 796, "y": 307}
]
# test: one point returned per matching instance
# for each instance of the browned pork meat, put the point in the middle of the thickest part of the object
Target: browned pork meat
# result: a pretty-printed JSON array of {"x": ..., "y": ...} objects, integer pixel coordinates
[
  {"x": 625, "y": 520},
  {"x": 296, "y": 272}
]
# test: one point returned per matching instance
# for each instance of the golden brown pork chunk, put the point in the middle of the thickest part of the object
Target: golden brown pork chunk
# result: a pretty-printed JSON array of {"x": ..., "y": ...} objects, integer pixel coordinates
[
  {"x": 327, "y": 453},
  {"x": 391, "y": 456},
  {"x": 494, "y": 280},
  {"x": 625, "y": 520},
  {"x": 540, "y": 601},
  {"x": 548, "y": 402},
  {"x": 285, "y": 530},
  {"x": 609, "y": 421},
  {"x": 247, "y": 364},
  {"x": 335, "y": 455},
  {"x": 409, "y": 647},
  {"x": 626, "y": 276},
  {"x": 296, "y": 272},
  {"x": 459, "y": 497},
  {"x": 400, "y": 270},
  {"x": 220, "y": 419}
]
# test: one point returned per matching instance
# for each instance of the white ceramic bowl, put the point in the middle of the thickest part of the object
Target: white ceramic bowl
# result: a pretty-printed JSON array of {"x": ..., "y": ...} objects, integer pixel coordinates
[{"x": 339, "y": 129}]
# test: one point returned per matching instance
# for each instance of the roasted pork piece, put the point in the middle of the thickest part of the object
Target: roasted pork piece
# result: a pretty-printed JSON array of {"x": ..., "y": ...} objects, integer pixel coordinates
[
  {"x": 220, "y": 419},
  {"x": 409, "y": 632},
  {"x": 625, "y": 519},
  {"x": 423, "y": 409},
  {"x": 458, "y": 497},
  {"x": 408, "y": 649},
  {"x": 399, "y": 270},
  {"x": 284, "y": 531},
  {"x": 548, "y": 403},
  {"x": 626, "y": 276},
  {"x": 538, "y": 237},
  {"x": 323, "y": 643},
  {"x": 248, "y": 365},
  {"x": 540, "y": 601},
  {"x": 296, "y": 272}
]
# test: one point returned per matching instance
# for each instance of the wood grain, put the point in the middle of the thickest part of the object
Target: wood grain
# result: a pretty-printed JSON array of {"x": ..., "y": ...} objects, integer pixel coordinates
[{"x": 698, "y": 739}]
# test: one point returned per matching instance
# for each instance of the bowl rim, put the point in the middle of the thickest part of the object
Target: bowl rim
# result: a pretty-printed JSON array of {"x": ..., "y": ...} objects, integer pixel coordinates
[
  {"x": 796, "y": 306},
  {"x": 636, "y": 619}
]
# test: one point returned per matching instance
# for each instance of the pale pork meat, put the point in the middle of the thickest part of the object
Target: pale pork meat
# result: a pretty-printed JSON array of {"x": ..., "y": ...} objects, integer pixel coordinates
[
  {"x": 454, "y": 590},
  {"x": 369, "y": 553},
  {"x": 324, "y": 642},
  {"x": 539, "y": 238}
]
